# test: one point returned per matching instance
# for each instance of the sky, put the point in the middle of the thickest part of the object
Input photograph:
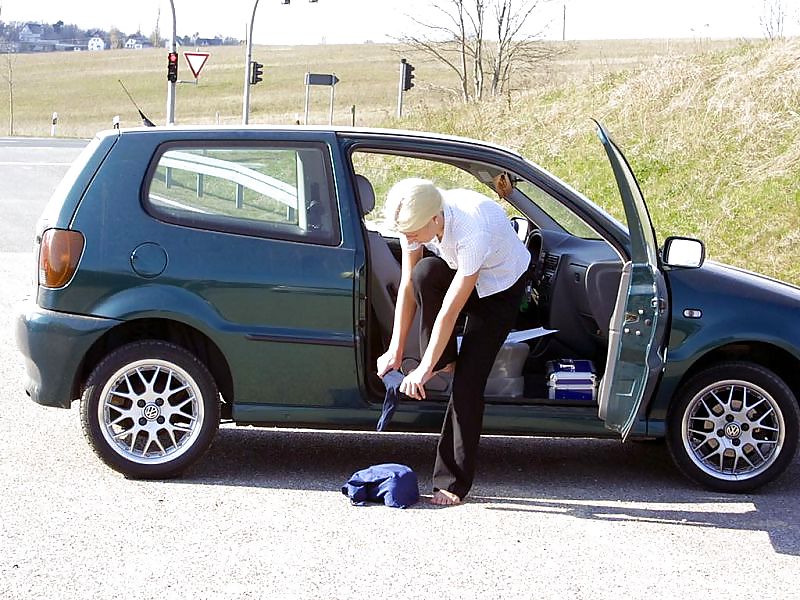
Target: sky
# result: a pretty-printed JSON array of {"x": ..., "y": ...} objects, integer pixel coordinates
[{"x": 355, "y": 21}]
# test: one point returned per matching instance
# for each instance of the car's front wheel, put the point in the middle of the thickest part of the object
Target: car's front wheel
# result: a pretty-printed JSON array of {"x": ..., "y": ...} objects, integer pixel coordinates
[
  {"x": 150, "y": 409},
  {"x": 733, "y": 427}
]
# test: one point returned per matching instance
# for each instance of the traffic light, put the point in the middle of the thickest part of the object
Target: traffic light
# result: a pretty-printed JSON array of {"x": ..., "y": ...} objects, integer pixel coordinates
[
  {"x": 407, "y": 74},
  {"x": 172, "y": 67},
  {"x": 256, "y": 72}
]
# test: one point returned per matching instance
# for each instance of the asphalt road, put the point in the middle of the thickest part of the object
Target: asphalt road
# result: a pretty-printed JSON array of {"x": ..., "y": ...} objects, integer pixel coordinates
[
  {"x": 30, "y": 168},
  {"x": 262, "y": 516}
]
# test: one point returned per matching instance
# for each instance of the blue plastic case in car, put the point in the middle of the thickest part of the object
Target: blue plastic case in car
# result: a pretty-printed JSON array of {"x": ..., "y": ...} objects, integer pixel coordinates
[{"x": 572, "y": 381}]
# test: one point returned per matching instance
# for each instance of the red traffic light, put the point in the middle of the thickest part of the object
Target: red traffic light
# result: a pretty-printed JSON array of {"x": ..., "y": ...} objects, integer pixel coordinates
[{"x": 172, "y": 67}]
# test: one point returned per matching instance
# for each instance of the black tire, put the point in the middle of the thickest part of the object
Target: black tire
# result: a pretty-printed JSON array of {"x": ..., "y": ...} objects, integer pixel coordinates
[
  {"x": 733, "y": 427},
  {"x": 139, "y": 430}
]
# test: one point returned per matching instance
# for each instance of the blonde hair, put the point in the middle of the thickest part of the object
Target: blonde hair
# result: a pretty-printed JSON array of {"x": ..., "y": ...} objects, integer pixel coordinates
[{"x": 411, "y": 203}]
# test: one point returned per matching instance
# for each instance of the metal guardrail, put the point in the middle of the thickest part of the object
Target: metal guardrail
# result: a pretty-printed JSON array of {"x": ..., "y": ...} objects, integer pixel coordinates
[{"x": 237, "y": 173}]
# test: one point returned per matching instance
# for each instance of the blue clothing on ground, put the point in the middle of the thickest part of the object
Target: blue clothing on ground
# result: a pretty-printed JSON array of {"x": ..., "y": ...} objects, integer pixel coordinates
[
  {"x": 391, "y": 380},
  {"x": 394, "y": 485}
]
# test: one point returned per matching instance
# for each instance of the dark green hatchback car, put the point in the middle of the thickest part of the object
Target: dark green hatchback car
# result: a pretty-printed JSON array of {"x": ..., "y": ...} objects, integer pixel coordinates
[{"x": 189, "y": 276}]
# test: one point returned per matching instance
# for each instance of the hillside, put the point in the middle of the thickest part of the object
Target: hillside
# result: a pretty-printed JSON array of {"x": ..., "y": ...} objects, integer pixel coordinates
[
  {"x": 83, "y": 88},
  {"x": 711, "y": 128},
  {"x": 714, "y": 138}
]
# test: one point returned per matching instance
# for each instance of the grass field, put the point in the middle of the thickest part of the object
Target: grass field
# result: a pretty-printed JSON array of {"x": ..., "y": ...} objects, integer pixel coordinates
[
  {"x": 711, "y": 128},
  {"x": 83, "y": 86}
]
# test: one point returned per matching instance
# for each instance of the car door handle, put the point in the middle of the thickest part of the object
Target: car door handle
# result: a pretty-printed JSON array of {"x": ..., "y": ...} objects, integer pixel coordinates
[
  {"x": 659, "y": 304},
  {"x": 631, "y": 318}
]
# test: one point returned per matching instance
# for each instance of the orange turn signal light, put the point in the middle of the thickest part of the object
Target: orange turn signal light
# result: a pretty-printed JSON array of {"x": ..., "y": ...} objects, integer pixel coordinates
[{"x": 59, "y": 254}]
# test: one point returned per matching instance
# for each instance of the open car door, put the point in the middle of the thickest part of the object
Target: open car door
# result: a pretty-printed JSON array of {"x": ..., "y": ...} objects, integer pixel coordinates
[{"x": 638, "y": 323}]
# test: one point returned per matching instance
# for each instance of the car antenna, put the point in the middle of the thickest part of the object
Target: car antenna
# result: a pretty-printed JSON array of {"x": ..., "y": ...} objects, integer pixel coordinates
[{"x": 145, "y": 121}]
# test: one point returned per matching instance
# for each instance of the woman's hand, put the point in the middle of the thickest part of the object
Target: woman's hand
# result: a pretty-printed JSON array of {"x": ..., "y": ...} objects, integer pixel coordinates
[
  {"x": 391, "y": 359},
  {"x": 413, "y": 384}
]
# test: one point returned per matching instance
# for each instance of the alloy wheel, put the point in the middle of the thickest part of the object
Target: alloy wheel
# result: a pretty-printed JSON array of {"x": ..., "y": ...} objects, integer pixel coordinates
[
  {"x": 733, "y": 430},
  {"x": 150, "y": 411}
]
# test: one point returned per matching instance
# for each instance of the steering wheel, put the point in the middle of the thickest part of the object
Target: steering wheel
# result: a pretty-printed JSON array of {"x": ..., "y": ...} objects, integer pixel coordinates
[
  {"x": 531, "y": 236},
  {"x": 535, "y": 245}
]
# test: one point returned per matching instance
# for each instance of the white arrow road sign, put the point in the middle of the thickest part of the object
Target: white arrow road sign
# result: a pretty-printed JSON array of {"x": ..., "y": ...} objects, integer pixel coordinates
[{"x": 196, "y": 61}]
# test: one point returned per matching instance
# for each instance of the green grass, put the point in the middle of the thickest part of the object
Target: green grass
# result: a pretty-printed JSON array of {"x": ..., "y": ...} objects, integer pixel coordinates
[
  {"x": 714, "y": 137},
  {"x": 712, "y": 129},
  {"x": 83, "y": 88}
]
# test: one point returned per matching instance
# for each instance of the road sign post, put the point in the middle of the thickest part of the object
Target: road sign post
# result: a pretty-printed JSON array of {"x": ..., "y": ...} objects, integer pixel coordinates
[
  {"x": 329, "y": 79},
  {"x": 330, "y": 112}
]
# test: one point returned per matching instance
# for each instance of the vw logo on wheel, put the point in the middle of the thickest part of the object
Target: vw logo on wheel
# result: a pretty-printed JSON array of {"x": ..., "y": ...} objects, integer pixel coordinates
[
  {"x": 732, "y": 430},
  {"x": 151, "y": 412}
]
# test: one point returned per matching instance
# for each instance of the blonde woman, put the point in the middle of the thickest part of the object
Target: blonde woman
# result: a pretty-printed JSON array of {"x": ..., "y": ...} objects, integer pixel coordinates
[{"x": 478, "y": 269}]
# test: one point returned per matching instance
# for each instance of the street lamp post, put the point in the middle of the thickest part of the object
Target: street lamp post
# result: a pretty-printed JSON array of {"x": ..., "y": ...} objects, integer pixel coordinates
[
  {"x": 248, "y": 59},
  {"x": 171, "y": 84}
]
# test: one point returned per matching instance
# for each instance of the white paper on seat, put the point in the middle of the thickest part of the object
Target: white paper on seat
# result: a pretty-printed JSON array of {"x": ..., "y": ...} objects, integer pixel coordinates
[
  {"x": 518, "y": 336},
  {"x": 528, "y": 334}
]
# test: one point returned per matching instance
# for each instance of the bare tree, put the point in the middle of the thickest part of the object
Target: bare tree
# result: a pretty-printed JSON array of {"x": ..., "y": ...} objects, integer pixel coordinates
[
  {"x": 8, "y": 75},
  {"x": 116, "y": 38},
  {"x": 772, "y": 18},
  {"x": 447, "y": 43},
  {"x": 457, "y": 37},
  {"x": 478, "y": 48},
  {"x": 155, "y": 36},
  {"x": 511, "y": 48}
]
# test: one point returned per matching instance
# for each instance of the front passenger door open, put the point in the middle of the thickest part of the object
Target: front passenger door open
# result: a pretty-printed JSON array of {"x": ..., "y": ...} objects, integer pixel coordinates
[{"x": 638, "y": 322}]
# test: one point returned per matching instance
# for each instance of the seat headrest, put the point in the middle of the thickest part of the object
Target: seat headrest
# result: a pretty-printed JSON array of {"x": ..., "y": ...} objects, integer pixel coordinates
[{"x": 365, "y": 194}]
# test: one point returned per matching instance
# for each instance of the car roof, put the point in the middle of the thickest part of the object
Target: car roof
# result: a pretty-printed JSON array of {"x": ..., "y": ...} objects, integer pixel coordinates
[
  {"x": 334, "y": 129},
  {"x": 387, "y": 134}
]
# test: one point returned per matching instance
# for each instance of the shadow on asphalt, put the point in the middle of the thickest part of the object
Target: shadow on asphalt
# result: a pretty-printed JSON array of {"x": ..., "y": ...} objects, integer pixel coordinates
[{"x": 580, "y": 478}]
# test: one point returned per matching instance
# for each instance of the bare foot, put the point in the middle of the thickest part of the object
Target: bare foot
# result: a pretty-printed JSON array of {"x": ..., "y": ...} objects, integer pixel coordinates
[{"x": 445, "y": 498}]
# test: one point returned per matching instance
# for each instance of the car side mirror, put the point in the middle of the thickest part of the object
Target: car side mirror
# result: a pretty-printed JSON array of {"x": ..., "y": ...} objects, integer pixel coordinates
[{"x": 683, "y": 252}]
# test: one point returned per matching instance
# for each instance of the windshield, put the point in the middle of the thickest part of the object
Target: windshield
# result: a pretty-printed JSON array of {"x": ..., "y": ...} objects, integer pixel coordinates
[{"x": 563, "y": 216}]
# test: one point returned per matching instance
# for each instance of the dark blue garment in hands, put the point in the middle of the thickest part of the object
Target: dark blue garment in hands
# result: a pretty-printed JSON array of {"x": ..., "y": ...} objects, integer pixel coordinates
[{"x": 391, "y": 380}]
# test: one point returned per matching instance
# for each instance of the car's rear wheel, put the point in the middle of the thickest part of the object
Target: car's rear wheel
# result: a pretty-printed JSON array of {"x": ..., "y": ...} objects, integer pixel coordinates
[
  {"x": 734, "y": 427},
  {"x": 150, "y": 409}
]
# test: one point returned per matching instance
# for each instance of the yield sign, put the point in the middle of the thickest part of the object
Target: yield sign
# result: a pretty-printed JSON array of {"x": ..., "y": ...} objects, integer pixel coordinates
[{"x": 196, "y": 60}]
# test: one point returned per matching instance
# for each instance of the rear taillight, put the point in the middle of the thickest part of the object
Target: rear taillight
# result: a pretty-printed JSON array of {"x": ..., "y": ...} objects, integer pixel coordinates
[{"x": 59, "y": 254}]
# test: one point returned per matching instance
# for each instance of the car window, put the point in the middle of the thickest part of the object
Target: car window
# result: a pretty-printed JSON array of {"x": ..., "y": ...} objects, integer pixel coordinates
[
  {"x": 282, "y": 192},
  {"x": 384, "y": 170},
  {"x": 562, "y": 215}
]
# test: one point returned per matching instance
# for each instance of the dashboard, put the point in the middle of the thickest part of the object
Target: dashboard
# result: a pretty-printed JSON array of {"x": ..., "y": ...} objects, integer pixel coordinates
[{"x": 577, "y": 290}]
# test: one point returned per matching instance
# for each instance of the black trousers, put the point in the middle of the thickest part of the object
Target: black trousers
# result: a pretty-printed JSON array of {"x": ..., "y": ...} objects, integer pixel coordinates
[{"x": 488, "y": 322}]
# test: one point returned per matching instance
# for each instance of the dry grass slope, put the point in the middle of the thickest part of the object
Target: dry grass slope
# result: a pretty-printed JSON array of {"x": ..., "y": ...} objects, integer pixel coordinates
[
  {"x": 712, "y": 129},
  {"x": 714, "y": 138}
]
